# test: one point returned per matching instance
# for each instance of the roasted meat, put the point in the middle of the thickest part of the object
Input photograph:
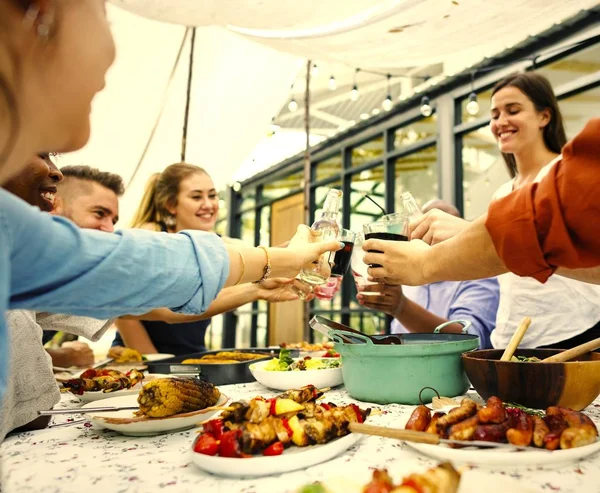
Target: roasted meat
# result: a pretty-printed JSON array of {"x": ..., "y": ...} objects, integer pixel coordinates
[
  {"x": 168, "y": 396},
  {"x": 124, "y": 355},
  {"x": 103, "y": 380}
]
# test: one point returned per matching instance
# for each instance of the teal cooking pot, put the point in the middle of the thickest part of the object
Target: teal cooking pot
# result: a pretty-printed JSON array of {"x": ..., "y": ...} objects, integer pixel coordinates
[{"x": 397, "y": 373}]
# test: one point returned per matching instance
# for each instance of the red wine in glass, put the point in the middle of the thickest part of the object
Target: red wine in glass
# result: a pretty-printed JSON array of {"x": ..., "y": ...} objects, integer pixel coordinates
[
  {"x": 384, "y": 236},
  {"x": 342, "y": 259}
]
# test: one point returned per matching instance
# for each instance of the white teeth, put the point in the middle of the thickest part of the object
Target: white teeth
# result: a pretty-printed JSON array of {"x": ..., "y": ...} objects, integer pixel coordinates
[
  {"x": 503, "y": 135},
  {"x": 48, "y": 196}
]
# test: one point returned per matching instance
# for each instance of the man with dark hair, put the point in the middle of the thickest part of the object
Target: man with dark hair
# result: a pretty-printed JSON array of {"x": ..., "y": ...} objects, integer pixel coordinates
[{"x": 89, "y": 197}]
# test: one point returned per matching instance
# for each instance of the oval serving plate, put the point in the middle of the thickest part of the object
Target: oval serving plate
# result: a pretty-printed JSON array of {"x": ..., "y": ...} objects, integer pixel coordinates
[
  {"x": 286, "y": 380},
  {"x": 127, "y": 423},
  {"x": 292, "y": 459},
  {"x": 99, "y": 395},
  {"x": 494, "y": 457}
]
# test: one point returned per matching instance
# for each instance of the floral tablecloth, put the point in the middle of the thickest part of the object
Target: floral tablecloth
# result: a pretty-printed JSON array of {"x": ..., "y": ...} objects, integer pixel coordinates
[{"x": 84, "y": 458}]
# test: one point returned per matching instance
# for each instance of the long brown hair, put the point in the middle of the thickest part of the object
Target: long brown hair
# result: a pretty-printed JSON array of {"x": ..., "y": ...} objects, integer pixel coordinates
[
  {"x": 539, "y": 91},
  {"x": 161, "y": 194}
]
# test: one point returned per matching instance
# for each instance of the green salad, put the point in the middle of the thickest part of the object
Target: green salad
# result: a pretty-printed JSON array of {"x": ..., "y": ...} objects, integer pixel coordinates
[{"x": 286, "y": 363}]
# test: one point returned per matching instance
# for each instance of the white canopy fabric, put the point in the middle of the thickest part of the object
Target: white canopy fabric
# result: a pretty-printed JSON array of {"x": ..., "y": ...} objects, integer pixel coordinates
[{"x": 247, "y": 55}]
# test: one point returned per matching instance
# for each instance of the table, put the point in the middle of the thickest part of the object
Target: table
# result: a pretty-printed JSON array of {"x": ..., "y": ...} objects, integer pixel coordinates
[{"x": 83, "y": 458}]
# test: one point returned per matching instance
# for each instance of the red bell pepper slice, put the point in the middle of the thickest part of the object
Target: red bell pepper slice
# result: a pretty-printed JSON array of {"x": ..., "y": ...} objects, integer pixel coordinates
[
  {"x": 274, "y": 449},
  {"x": 272, "y": 408},
  {"x": 230, "y": 444},
  {"x": 325, "y": 406},
  {"x": 206, "y": 444},
  {"x": 359, "y": 415},
  {"x": 287, "y": 427},
  {"x": 214, "y": 427}
]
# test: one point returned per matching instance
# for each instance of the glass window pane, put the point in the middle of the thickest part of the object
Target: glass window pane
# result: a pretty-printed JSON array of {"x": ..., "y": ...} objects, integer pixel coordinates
[
  {"x": 248, "y": 225},
  {"x": 414, "y": 132},
  {"x": 577, "y": 110},
  {"x": 262, "y": 323},
  {"x": 484, "y": 100},
  {"x": 367, "y": 151},
  {"x": 371, "y": 183},
  {"x": 244, "y": 326},
  {"x": 483, "y": 171},
  {"x": 283, "y": 186},
  {"x": 265, "y": 226},
  {"x": 573, "y": 66},
  {"x": 328, "y": 168},
  {"x": 417, "y": 173},
  {"x": 248, "y": 199}
]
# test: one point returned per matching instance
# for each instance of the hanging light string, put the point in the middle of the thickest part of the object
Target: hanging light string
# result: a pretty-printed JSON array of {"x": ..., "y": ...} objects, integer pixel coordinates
[{"x": 426, "y": 106}]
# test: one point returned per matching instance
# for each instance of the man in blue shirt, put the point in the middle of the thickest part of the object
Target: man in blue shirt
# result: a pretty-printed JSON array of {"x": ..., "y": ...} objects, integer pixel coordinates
[{"x": 423, "y": 308}]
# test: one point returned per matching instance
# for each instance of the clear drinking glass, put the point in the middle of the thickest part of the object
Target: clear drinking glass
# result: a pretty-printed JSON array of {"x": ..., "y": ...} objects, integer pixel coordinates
[{"x": 358, "y": 266}]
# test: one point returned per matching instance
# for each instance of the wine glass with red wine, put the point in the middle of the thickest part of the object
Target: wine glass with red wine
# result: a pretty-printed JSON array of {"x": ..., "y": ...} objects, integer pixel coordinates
[{"x": 341, "y": 262}]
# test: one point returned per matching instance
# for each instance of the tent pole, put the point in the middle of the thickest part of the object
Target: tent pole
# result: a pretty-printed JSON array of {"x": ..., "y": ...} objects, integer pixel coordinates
[
  {"x": 188, "y": 97},
  {"x": 307, "y": 331}
]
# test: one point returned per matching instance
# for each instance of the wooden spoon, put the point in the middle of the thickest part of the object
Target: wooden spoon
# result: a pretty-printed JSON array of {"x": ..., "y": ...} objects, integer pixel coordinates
[
  {"x": 516, "y": 339},
  {"x": 573, "y": 352}
]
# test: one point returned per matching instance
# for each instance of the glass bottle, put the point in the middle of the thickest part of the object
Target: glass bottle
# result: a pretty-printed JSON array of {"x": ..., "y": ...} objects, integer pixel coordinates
[
  {"x": 327, "y": 225},
  {"x": 409, "y": 205}
]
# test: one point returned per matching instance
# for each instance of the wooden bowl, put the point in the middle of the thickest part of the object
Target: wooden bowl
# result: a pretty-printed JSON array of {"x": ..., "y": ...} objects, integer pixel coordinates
[{"x": 574, "y": 384}]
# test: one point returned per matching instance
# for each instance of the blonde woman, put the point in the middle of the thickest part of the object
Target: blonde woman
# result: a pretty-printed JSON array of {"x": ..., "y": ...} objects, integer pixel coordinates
[{"x": 183, "y": 197}]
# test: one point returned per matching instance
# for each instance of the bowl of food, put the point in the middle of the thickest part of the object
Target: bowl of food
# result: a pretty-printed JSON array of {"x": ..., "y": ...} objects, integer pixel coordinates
[
  {"x": 527, "y": 381},
  {"x": 285, "y": 372}
]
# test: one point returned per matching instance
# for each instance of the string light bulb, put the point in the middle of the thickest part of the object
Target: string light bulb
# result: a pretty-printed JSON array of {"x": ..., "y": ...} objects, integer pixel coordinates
[
  {"x": 354, "y": 95},
  {"x": 426, "y": 108},
  {"x": 315, "y": 70},
  {"x": 332, "y": 83},
  {"x": 472, "y": 105},
  {"x": 292, "y": 105},
  {"x": 387, "y": 102}
]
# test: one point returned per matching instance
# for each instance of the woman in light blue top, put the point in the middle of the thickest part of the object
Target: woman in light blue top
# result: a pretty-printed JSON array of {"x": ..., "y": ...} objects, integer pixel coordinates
[{"x": 54, "y": 55}]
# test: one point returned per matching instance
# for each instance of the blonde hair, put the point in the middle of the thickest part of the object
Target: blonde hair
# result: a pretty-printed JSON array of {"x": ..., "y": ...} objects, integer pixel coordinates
[{"x": 161, "y": 194}]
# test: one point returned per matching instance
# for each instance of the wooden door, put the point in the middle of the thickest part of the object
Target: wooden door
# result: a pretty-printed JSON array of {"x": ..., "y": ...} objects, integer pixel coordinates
[{"x": 286, "y": 320}]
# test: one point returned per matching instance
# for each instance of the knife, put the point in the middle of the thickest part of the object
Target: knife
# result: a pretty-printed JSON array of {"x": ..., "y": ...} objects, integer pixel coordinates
[
  {"x": 81, "y": 410},
  {"x": 430, "y": 438}
]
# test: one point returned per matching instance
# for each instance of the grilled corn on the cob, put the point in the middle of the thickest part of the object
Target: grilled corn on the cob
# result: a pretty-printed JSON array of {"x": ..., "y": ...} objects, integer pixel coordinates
[{"x": 167, "y": 396}]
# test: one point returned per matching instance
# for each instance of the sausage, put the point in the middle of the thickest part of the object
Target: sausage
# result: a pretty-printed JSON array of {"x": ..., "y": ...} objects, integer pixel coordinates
[
  {"x": 556, "y": 425},
  {"x": 572, "y": 418},
  {"x": 495, "y": 432},
  {"x": 432, "y": 428},
  {"x": 464, "y": 430},
  {"x": 493, "y": 412},
  {"x": 419, "y": 419},
  {"x": 578, "y": 436},
  {"x": 522, "y": 434},
  {"x": 467, "y": 409},
  {"x": 540, "y": 431}
]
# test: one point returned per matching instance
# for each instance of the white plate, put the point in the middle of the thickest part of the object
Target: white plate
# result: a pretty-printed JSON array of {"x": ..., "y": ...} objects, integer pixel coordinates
[
  {"x": 286, "y": 380},
  {"x": 99, "y": 395},
  {"x": 292, "y": 459},
  {"x": 126, "y": 423},
  {"x": 157, "y": 356},
  {"x": 495, "y": 457},
  {"x": 491, "y": 458}
]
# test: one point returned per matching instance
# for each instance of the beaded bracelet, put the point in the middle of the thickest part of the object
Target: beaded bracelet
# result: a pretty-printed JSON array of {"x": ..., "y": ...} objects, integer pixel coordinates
[{"x": 267, "y": 270}]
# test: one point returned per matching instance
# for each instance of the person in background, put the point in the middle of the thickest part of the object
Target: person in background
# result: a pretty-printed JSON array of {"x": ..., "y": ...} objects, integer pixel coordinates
[
  {"x": 423, "y": 308},
  {"x": 183, "y": 197},
  {"x": 33, "y": 387},
  {"x": 527, "y": 124}
]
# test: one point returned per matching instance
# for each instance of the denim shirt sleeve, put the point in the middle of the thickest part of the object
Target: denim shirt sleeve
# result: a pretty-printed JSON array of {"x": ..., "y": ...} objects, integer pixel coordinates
[
  {"x": 477, "y": 301},
  {"x": 57, "y": 267}
]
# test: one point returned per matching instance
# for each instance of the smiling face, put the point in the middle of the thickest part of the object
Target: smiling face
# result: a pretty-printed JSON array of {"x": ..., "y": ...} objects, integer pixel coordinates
[
  {"x": 197, "y": 203},
  {"x": 36, "y": 183},
  {"x": 516, "y": 124},
  {"x": 88, "y": 204}
]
